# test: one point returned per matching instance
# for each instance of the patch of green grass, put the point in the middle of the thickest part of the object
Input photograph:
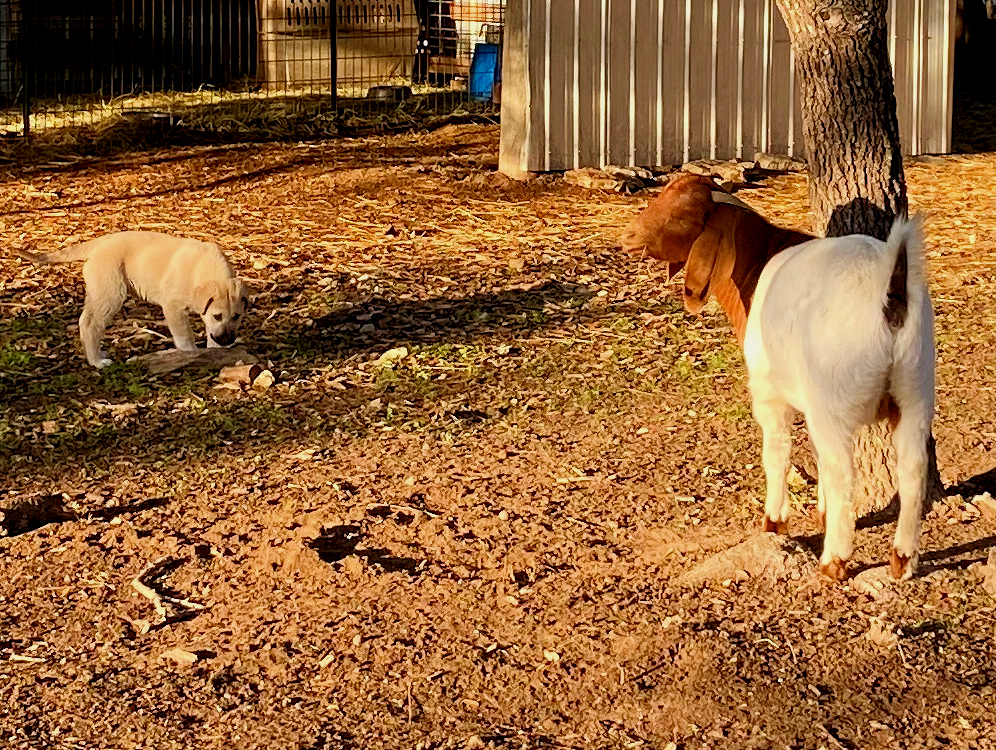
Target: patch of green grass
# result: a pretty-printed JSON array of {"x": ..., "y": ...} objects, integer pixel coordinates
[
  {"x": 622, "y": 325},
  {"x": 474, "y": 315},
  {"x": 20, "y": 327},
  {"x": 54, "y": 386},
  {"x": 589, "y": 398},
  {"x": 124, "y": 379},
  {"x": 449, "y": 353},
  {"x": 738, "y": 412},
  {"x": 536, "y": 318},
  {"x": 15, "y": 360}
]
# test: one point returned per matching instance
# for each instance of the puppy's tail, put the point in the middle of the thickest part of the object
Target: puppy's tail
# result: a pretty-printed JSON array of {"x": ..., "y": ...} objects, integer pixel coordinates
[{"x": 68, "y": 255}]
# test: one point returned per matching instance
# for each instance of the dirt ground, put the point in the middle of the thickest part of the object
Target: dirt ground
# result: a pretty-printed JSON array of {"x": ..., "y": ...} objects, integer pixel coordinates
[{"x": 485, "y": 540}]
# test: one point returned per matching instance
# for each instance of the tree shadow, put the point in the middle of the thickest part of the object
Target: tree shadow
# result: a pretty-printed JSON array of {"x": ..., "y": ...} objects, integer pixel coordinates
[
  {"x": 338, "y": 542},
  {"x": 860, "y": 216},
  {"x": 977, "y": 485},
  {"x": 951, "y": 558},
  {"x": 31, "y": 513},
  {"x": 505, "y": 315},
  {"x": 346, "y": 155},
  {"x": 150, "y": 428}
]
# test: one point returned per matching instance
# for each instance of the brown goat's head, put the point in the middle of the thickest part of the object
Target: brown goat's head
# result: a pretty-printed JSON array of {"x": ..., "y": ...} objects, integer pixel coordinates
[{"x": 675, "y": 227}]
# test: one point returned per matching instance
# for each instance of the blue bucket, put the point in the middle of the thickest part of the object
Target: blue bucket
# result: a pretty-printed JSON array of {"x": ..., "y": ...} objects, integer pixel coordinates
[{"x": 483, "y": 72}]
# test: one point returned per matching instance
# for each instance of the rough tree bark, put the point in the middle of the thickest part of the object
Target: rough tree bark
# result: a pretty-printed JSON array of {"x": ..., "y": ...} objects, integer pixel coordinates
[{"x": 856, "y": 180}]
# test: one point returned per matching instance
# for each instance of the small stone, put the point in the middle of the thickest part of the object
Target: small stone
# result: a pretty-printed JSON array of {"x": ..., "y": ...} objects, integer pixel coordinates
[
  {"x": 986, "y": 505},
  {"x": 778, "y": 163},
  {"x": 179, "y": 655},
  {"x": 264, "y": 380},
  {"x": 392, "y": 355}
]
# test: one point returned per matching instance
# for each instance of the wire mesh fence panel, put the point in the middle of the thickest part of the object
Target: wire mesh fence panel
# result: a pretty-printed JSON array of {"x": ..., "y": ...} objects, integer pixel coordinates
[{"x": 83, "y": 62}]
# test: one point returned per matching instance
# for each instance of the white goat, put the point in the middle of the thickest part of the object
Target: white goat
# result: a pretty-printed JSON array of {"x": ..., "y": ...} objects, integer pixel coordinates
[{"x": 841, "y": 329}]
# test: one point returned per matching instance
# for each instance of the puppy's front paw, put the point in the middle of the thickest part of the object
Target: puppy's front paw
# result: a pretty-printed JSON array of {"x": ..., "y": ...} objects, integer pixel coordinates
[{"x": 100, "y": 364}]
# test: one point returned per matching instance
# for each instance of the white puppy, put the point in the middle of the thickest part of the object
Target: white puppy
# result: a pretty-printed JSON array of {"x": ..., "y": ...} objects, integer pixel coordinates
[{"x": 180, "y": 275}]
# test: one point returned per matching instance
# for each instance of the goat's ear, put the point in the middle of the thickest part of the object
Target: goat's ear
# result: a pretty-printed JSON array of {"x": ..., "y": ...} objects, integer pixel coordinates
[{"x": 707, "y": 263}]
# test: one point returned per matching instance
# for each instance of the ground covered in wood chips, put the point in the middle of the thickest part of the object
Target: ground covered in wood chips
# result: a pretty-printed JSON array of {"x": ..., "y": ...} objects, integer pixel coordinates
[{"x": 483, "y": 540}]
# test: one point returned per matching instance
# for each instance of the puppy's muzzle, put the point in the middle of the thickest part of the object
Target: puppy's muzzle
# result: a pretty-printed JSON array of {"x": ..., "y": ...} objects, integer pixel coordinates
[{"x": 226, "y": 338}]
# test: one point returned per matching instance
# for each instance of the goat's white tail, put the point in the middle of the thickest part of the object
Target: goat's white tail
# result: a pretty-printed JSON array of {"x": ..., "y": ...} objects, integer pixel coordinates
[
  {"x": 67, "y": 255},
  {"x": 905, "y": 250}
]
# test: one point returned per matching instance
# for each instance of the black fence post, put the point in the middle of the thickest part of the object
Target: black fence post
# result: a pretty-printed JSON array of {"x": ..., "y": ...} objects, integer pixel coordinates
[
  {"x": 334, "y": 43},
  {"x": 29, "y": 12}
]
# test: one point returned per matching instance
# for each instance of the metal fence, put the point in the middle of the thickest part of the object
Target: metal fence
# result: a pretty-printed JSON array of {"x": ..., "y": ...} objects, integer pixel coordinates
[
  {"x": 653, "y": 82},
  {"x": 65, "y": 63}
]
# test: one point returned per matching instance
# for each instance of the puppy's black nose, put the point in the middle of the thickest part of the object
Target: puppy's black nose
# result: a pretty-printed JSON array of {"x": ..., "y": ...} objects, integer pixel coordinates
[{"x": 226, "y": 338}]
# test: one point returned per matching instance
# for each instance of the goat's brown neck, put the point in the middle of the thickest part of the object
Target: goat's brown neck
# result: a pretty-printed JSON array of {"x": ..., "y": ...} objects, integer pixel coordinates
[{"x": 754, "y": 242}]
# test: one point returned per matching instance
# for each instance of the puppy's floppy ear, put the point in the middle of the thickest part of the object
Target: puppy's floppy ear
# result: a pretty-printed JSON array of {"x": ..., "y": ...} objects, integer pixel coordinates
[
  {"x": 242, "y": 290},
  {"x": 708, "y": 263},
  {"x": 204, "y": 295}
]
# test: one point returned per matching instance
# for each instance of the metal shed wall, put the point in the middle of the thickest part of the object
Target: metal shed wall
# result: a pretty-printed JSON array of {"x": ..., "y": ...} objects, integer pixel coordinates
[{"x": 654, "y": 82}]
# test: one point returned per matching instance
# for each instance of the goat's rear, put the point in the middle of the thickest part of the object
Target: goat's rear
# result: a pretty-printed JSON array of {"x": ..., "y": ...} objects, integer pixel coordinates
[{"x": 839, "y": 327}]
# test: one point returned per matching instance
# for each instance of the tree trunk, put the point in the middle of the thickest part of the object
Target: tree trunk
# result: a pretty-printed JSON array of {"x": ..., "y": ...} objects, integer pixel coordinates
[{"x": 856, "y": 181}]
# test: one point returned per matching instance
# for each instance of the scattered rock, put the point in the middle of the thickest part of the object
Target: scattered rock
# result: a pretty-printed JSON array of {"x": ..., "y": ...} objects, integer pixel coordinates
[
  {"x": 882, "y": 634},
  {"x": 392, "y": 355},
  {"x": 117, "y": 411},
  {"x": 264, "y": 380},
  {"x": 179, "y": 655},
  {"x": 768, "y": 557},
  {"x": 988, "y": 573},
  {"x": 591, "y": 178},
  {"x": 874, "y": 582},
  {"x": 614, "y": 178},
  {"x": 778, "y": 163},
  {"x": 629, "y": 173},
  {"x": 729, "y": 173},
  {"x": 986, "y": 505},
  {"x": 930, "y": 160}
]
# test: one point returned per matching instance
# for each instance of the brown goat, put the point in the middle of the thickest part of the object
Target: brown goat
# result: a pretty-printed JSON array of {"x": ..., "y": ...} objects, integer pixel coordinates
[{"x": 719, "y": 240}]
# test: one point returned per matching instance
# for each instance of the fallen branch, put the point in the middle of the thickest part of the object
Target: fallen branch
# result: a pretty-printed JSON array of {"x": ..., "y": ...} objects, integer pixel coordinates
[{"x": 150, "y": 573}]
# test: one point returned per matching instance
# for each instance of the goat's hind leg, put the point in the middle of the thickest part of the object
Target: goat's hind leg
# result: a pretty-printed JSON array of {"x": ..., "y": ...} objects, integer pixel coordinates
[
  {"x": 910, "y": 437},
  {"x": 834, "y": 446},
  {"x": 775, "y": 418}
]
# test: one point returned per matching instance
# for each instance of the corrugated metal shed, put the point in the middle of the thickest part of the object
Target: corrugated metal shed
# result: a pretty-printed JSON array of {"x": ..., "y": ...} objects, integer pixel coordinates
[{"x": 653, "y": 82}]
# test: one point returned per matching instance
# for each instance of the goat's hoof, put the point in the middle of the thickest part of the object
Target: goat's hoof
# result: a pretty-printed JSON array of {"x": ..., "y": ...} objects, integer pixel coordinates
[
  {"x": 836, "y": 569},
  {"x": 778, "y": 527},
  {"x": 900, "y": 566}
]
